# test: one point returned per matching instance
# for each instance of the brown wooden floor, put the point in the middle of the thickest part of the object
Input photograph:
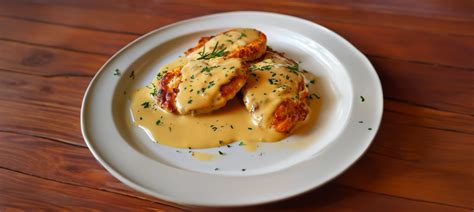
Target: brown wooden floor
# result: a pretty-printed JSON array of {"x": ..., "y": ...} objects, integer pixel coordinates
[{"x": 422, "y": 158}]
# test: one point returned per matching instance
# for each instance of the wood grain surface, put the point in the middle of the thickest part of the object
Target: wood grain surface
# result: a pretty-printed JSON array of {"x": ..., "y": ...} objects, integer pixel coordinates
[{"x": 421, "y": 159}]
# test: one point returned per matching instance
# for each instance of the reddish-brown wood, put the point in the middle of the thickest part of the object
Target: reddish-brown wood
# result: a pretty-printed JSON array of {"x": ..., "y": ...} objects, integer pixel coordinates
[
  {"x": 44, "y": 61},
  {"x": 378, "y": 41},
  {"x": 421, "y": 159},
  {"x": 352, "y": 14},
  {"x": 24, "y": 191}
]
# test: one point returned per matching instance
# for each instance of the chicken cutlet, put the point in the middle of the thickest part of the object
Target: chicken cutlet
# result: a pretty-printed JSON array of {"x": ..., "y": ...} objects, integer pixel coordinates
[
  {"x": 275, "y": 93},
  {"x": 210, "y": 74}
]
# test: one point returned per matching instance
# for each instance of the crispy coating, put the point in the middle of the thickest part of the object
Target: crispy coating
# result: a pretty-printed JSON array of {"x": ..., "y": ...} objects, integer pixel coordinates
[
  {"x": 276, "y": 94},
  {"x": 248, "y": 52},
  {"x": 289, "y": 113},
  {"x": 167, "y": 89},
  {"x": 169, "y": 83},
  {"x": 247, "y": 47}
]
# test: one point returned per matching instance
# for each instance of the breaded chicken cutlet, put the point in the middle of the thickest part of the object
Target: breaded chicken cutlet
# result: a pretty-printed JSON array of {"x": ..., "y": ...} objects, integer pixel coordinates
[
  {"x": 210, "y": 74},
  {"x": 275, "y": 93}
]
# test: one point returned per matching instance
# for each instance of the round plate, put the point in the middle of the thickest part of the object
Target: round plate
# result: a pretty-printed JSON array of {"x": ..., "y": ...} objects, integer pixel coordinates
[{"x": 351, "y": 110}]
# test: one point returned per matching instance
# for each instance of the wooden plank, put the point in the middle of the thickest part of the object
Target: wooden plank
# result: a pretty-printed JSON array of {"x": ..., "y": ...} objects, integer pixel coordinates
[
  {"x": 44, "y": 61},
  {"x": 60, "y": 162},
  {"x": 460, "y": 10},
  {"x": 417, "y": 163},
  {"x": 77, "y": 39},
  {"x": 434, "y": 86},
  {"x": 88, "y": 16},
  {"x": 413, "y": 115},
  {"x": 445, "y": 50},
  {"x": 60, "y": 91},
  {"x": 71, "y": 165},
  {"x": 45, "y": 120},
  {"x": 21, "y": 191},
  {"x": 384, "y": 42},
  {"x": 333, "y": 197}
]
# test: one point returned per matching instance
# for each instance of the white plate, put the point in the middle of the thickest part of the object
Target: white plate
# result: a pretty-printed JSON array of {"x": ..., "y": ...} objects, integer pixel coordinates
[{"x": 276, "y": 170}]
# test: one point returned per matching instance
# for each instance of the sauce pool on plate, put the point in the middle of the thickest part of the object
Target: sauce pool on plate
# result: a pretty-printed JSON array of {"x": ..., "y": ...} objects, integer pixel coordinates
[{"x": 227, "y": 125}]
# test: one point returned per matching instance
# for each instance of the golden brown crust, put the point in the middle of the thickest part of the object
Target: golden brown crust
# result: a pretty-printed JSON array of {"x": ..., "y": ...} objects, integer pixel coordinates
[
  {"x": 251, "y": 51},
  {"x": 230, "y": 89},
  {"x": 169, "y": 84},
  {"x": 168, "y": 88},
  {"x": 289, "y": 113}
]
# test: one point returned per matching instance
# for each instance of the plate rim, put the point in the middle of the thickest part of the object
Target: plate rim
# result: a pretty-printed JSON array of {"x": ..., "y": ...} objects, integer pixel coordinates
[{"x": 137, "y": 186}]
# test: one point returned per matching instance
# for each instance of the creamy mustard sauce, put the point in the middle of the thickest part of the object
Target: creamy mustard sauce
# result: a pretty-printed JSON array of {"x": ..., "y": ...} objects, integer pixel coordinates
[
  {"x": 201, "y": 82},
  {"x": 228, "y": 41},
  {"x": 227, "y": 125},
  {"x": 203, "y": 155},
  {"x": 271, "y": 81}
]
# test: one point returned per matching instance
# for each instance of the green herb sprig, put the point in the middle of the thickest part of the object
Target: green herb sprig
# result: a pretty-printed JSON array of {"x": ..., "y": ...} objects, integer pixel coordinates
[{"x": 215, "y": 53}]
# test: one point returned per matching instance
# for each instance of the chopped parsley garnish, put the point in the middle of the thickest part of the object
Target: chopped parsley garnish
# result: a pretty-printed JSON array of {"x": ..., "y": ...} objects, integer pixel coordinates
[
  {"x": 370, "y": 128},
  {"x": 229, "y": 146},
  {"x": 362, "y": 98},
  {"x": 146, "y": 104},
  {"x": 158, "y": 122},
  {"x": 250, "y": 128},
  {"x": 230, "y": 41},
  {"x": 312, "y": 81},
  {"x": 215, "y": 53},
  {"x": 190, "y": 101},
  {"x": 205, "y": 69},
  {"x": 221, "y": 142},
  {"x": 241, "y": 143},
  {"x": 192, "y": 76},
  {"x": 242, "y": 35},
  {"x": 261, "y": 68},
  {"x": 211, "y": 83},
  {"x": 271, "y": 81},
  {"x": 221, "y": 153},
  {"x": 161, "y": 74},
  {"x": 231, "y": 126},
  {"x": 153, "y": 90},
  {"x": 116, "y": 72},
  {"x": 293, "y": 67},
  {"x": 132, "y": 75}
]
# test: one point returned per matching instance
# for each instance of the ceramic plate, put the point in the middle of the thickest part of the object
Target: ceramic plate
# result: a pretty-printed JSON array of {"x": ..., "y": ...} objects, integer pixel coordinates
[{"x": 351, "y": 110}]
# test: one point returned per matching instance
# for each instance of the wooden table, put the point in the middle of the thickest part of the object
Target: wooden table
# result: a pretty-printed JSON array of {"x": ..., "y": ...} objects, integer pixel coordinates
[{"x": 422, "y": 158}]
